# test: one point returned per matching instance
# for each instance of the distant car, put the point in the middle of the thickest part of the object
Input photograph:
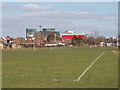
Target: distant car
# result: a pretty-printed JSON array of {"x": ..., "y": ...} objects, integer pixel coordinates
[{"x": 50, "y": 45}]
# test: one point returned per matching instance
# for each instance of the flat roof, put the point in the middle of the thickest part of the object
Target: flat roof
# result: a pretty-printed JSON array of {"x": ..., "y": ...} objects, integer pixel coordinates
[{"x": 73, "y": 34}]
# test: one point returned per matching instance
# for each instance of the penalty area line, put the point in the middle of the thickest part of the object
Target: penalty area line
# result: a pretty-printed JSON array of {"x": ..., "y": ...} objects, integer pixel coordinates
[{"x": 89, "y": 67}]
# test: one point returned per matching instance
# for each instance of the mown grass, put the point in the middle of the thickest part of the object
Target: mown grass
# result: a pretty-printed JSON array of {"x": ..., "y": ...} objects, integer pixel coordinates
[{"x": 57, "y": 68}]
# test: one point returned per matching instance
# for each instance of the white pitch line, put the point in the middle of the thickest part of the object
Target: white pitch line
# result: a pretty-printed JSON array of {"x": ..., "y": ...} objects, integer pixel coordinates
[{"x": 89, "y": 67}]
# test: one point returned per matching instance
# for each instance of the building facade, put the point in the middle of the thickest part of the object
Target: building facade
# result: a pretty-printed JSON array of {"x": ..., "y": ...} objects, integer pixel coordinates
[
  {"x": 71, "y": 34},
  {"x": 31, "y": 33}
]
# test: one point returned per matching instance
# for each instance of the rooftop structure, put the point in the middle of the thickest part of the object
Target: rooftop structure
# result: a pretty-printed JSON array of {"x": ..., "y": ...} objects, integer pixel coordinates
[
  {"x": 49, "y": 29},
  {"x": 31, "y": 33},
  {"x": 71, "y": 34}
]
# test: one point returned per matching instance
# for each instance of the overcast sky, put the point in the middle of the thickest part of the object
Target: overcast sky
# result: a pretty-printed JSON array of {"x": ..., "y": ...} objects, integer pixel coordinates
[{"x": 81, "y": 17}]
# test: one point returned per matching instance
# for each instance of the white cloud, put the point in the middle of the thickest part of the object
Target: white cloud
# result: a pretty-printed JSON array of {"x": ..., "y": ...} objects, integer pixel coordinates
[
  {"x": 59, "y": 15},
  {"x": 60, "y": 24},
  {"x": 108, "y": 18},
  {"x": 37, "y": 7},
  {"x": 27, "y": 7},
  {"x": 47, "y": 16}
]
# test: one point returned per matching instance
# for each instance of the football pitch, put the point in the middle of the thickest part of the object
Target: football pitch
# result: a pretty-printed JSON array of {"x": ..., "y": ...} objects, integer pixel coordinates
[{"x": 60, "y": 68}]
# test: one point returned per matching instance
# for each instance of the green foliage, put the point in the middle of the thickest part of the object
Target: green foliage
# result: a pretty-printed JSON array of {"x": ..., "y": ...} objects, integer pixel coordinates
[
  {"x": 77, "y": 41},
  {"x": 50, "y": 37}
]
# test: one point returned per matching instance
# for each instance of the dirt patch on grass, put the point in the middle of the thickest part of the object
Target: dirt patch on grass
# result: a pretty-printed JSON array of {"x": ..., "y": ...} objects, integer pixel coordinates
[{"x": 116, "y": 52}]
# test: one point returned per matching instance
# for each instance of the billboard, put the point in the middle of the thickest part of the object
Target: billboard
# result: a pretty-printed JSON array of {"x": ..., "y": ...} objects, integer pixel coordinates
[{"x": 30, "y": 33}]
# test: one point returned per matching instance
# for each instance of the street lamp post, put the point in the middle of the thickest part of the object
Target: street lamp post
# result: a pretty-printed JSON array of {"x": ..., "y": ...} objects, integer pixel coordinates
[
  {"x": 40, "y": 33},
  {"x": 40, "y": 27}
]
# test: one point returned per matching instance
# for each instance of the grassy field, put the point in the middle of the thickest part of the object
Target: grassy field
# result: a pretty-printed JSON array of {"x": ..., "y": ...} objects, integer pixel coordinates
[{"x": 57, "y": 68}]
